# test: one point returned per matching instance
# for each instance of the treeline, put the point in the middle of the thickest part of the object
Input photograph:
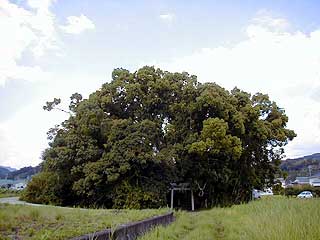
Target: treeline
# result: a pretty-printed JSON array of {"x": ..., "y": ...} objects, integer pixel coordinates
[{"x": 123, "y": 145}]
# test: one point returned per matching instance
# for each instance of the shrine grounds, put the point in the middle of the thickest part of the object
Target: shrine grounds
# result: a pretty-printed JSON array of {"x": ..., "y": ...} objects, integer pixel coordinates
[{"x": 269, "y": 218}]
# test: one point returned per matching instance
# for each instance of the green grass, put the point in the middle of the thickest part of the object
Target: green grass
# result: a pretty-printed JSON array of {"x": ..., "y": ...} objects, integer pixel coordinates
[
  {"x": 48, "y": 222},
  {"x": 8, "y": 193},
  {"x": 270, "y": 218}
]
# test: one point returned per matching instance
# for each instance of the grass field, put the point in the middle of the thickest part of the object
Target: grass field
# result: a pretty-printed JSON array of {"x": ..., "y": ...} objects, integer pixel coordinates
[
  {"x": 47, "y": 222},
  {"x": 269, "y": 219},
  {"x": 8, "y": 193}
]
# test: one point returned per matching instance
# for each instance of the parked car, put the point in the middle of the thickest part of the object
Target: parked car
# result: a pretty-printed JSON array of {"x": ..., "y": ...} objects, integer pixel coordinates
[
  {"x": 305, "y": 194},
  {"x": 256, "y": 194}
]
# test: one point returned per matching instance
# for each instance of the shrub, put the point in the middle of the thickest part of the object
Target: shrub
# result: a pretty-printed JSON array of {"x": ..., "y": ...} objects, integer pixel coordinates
[
  {"x": 277, "y": 189},
  {"x": 42, "y": 189},
  {"x": 295, "y": 190},
  {"x": 134, "y": 197},
  {"x": 8, "y": 192}
]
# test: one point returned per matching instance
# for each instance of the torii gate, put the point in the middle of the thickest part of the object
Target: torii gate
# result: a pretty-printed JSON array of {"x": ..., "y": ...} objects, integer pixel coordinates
[{"x": 181, "y": 187}]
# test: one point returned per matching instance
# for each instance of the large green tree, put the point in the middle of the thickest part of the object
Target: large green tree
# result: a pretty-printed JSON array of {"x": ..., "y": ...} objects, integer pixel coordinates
[{"x": 123, "y": 145}]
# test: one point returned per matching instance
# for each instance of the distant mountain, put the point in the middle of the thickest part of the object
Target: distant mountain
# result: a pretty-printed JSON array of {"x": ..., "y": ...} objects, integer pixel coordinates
[
  {"x": 9, "y": 168},
  {"x": 24, "y": 173},
  {"x": 3, "y": 172},
  {"x": 315, "y": 156},
  {"x": 300, "y": 166}
]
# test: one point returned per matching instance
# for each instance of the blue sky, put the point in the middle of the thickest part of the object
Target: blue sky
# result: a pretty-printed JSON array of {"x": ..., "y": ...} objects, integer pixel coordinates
[{"x": 53, "y": 48}]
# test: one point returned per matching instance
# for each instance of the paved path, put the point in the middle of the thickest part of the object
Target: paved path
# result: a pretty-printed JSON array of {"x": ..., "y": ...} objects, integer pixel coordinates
[{"x": 15, "y": 200}]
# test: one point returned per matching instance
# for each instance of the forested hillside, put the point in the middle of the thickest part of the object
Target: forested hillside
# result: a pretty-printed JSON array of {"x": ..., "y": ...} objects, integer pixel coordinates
[
  {"x": 3, "y": 172},
  {"x": 123, "y": 145},
  {"x": 24, "y": 173},
  {"x": 300, "y": 166}
]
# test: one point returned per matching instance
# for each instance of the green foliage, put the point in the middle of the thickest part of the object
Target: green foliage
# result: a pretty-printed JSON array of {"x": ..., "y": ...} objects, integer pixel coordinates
[
  {"x": 43, "y": 188},
  {"x": 123, "y": 145},
  {"x": 277, "y": 189},
  {"x": 51, "y": 105},
  {"x": 132, "y": 197},
  {"x": 295, "y": 190},
  {"x": 8, "y": 193}
]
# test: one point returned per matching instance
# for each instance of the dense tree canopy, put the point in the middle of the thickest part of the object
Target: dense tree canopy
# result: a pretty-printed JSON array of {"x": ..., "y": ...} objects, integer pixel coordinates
[{"x": 123, "y": 145}]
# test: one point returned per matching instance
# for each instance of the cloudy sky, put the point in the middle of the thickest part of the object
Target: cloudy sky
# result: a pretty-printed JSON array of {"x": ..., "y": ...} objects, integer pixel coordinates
[{"x": 53, "y": 48}]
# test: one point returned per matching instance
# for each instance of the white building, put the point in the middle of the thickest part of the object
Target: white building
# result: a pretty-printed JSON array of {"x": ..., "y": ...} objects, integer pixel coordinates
[
  {"x": 302, "y": 180},
  {"x": 313, "y": 180},
  {"x": 19, "y": 186}
]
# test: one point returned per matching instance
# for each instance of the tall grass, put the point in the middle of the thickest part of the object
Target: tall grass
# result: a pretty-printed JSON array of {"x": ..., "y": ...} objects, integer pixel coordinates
[
  {"x": 48, "y": 222},
  {"x": 271, "y": 218},
  {"x": 8, "y": 193}
]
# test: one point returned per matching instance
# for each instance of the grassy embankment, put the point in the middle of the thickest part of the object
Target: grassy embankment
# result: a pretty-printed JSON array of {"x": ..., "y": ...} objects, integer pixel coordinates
[
  {"x": 271, "y": 218},
  {"x": 48, "y": 222},
  {"x": 8, "y": 193}
]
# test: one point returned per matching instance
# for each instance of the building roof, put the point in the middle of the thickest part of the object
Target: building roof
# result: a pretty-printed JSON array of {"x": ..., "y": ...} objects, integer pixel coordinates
[
  {"x": 316, "y": 175},
  {"x": 302, "y": 180}
]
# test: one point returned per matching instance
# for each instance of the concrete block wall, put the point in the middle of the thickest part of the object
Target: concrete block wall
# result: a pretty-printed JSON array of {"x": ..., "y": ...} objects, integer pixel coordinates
[{"x": 129, "y": 231}]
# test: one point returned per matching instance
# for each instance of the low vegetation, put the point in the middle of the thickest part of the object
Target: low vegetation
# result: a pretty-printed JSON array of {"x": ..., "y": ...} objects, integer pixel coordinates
[
  {"x": 47, "y": 222},
  {"x": 8, "y": 193},
  {"x": 295, "y": 190},
  {"x": 269, "y": 218}
]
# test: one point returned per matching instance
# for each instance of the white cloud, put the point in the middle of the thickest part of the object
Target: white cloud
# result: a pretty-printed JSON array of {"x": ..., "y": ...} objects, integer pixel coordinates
[
  {"x": 266, "y": 19},
  {"x": 32, "y": 31},
  {"x": 77, "y": 25},
  {"x": 41, "y": 5},
  {"x": 23, "y": 137},
  {"x": 28, "y": 31},
  {"x": 24, "y": 30},
  {"x": 167, "y": 17},
  {"x": 273, "y": 60}
]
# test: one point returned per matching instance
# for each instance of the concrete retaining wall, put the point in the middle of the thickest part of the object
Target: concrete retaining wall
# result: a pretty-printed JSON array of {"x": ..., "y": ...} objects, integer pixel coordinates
[{"x": 129, "y": 231}]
